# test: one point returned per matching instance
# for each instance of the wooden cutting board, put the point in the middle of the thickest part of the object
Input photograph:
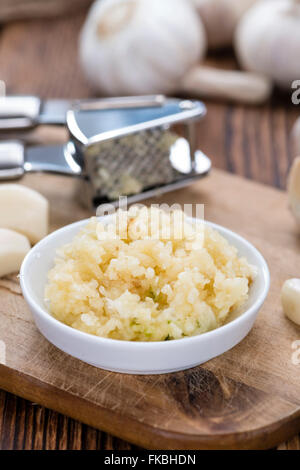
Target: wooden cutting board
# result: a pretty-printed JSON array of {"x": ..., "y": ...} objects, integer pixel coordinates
[{"x": 247, "y": 398}]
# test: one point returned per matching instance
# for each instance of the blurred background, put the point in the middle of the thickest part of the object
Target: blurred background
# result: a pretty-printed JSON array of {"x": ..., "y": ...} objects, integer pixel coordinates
[
  {"x": 242, "y": 57},
  {"x": 132, "y": 47}
]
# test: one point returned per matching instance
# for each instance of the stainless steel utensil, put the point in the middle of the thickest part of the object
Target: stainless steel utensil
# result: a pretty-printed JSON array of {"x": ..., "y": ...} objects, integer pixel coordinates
[{"x": 117, "y": 146}]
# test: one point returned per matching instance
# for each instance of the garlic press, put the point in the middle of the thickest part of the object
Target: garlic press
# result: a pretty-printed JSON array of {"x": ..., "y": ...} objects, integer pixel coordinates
[{"x": 125, "y": 146}]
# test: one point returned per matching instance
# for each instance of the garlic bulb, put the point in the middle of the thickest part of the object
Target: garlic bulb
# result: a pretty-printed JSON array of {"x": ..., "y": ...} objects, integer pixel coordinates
[
  {"x": 220, "y": 18},
  {"x": 267, "y": 40},
  {"x": 294, "y": 189},
  {"x": 140, "y": 46}
]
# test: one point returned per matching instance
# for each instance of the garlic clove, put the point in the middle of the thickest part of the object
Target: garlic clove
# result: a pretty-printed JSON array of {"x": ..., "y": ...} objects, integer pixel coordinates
[
  {"x": 140, "y": 46},
  {"x": 295, "y": 138},
  {"x": 13, "y": 249},
  {"x": 293, "y": 188},
  {"x": 23, "y": 210},
  {"x": 290, "y": 299},
  {"x": 243, "y": 87}
]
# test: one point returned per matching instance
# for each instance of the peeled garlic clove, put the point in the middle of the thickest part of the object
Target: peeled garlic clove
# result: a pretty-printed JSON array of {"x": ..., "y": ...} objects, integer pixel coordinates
[
  {"x": 243, "y": 87},
  {"x": 295, "y": 138},
  {"x": 220, "y": 18},
  {"x": 290, "y": 299},
  {"x": 140, "y": 46},
  {"x": 23, "y": 210},
  {"x": 294, "y": 189},
  {"x": 13, "y": 249}
]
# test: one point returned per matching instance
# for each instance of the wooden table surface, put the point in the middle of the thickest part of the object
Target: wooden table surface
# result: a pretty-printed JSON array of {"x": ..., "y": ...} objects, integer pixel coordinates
[{"x": 40, "y": 57}]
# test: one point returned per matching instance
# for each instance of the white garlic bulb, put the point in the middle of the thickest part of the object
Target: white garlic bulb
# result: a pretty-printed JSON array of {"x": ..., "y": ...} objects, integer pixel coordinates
[
  {"x": 140, "y": 46},
  {"x": 220, "y": 18},
  {"x": 267, "y": 40}
]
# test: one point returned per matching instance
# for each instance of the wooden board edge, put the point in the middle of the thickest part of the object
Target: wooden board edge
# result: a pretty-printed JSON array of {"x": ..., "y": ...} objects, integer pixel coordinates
[{"x": 138, "y": 433}]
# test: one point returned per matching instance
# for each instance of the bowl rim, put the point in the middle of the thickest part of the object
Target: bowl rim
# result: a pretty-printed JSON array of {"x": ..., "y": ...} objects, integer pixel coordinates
[{"x": 212, "y": 334}]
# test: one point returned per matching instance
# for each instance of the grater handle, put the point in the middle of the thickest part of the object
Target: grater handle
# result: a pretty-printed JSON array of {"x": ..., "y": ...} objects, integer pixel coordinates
[
  {"x": 19, "y": 112},
  {"x": 15, "y": 160},
  {"x": 23, "y": 112}
]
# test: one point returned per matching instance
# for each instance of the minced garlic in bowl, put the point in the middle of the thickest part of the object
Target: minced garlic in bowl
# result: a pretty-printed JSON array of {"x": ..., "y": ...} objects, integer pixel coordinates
[{"x": 147, "y": 275}]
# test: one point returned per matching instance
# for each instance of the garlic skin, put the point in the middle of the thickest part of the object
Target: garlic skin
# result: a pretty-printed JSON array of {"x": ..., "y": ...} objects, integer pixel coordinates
[
  {"x": 293, "y": 188},
  {"x": 140, "y": 46},
  {"x": 220, "y": 18},
  {"x": 290, "y": 299},
  {"x": 267, "y": 40}
]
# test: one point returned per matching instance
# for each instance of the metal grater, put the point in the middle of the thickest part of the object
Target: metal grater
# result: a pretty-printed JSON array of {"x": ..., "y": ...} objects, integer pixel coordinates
[{"x": 117, "y": 146}]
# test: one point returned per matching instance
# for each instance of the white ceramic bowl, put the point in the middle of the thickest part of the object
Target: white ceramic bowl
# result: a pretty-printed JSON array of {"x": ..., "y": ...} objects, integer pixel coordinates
[{"x": 138, "y": 357}]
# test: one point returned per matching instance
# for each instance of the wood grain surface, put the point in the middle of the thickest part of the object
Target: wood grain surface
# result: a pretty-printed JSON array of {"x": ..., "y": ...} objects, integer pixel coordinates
[
  {"x": 247, "y": 398},
  {"x": 40, "y": 57},
  {"x": 23, "y": 9}
]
